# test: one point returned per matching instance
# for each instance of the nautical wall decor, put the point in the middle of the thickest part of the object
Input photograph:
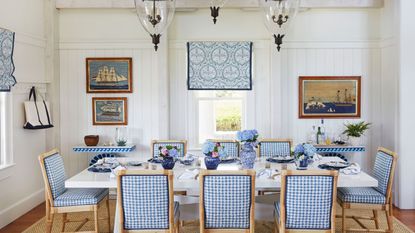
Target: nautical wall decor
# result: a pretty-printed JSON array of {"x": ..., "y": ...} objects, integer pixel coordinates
[
  {"x": 330, "y": 97},
  {"x": 219, "y": 66},
  {"x": 109, "y": 75},
  {"x": 7, "y": 79},
  {"x": 109, "y": 111}
]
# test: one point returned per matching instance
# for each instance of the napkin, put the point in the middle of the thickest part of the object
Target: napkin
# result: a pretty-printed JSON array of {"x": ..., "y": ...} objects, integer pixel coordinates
[
  {"x": 317, "y": 157},
  {"x": 189, "y": 174},
  {"x": 115, "y": 170},
  {"x": 353, "y": 169},
  {"x": 264, "y": 174}
]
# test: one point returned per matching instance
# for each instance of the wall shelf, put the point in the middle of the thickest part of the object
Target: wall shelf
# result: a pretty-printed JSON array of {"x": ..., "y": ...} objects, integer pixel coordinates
[{"x": 104, "y": 149}]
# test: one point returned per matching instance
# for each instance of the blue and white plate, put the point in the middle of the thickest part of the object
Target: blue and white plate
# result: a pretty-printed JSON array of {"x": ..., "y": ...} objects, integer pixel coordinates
[{"x": 280, "y": 159}]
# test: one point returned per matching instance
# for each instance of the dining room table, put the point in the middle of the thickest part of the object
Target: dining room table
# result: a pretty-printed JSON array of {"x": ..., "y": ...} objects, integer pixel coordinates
[{"x": 186, "y": 179}]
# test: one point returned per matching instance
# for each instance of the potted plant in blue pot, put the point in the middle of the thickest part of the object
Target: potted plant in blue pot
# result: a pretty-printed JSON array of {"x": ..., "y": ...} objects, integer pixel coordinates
[
  {"x": 169, "y": 155},
  {"x": 213, "y": 151},
  {"x": 248, "y": 139}
]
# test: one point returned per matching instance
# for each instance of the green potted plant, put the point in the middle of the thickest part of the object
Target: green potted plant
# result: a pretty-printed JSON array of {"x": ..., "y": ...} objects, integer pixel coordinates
[{"x": 355, "y": 130}]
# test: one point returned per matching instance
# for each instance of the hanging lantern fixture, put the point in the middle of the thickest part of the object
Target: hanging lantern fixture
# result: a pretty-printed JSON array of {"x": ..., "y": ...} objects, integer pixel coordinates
[{"x": 215, "y": 6}]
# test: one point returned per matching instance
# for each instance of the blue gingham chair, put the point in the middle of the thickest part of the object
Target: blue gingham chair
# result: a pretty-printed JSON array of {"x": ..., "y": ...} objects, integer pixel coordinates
[
  {"x": 62, "y": 200},
  {"x": 146, "y": 201},
  {"x": 377, "y": 198},
  {"x": 231, "y": 147},
  {"x": 274, "y": 147},
  {"x": 180, "y": 144},
  {"x": 307, "y": 201},
  {"x": 227, "y": 201}
]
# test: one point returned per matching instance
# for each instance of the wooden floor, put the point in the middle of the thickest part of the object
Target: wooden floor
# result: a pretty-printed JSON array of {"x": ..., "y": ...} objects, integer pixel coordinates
[{"x": 25, "y": 221}]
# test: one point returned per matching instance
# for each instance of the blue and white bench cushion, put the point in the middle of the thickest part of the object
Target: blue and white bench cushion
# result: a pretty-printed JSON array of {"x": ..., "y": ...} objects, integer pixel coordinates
[
  {"x": 227, "y": 201},
  {"x": 80, "y": 196},
  {"x": 365, "y": 195},
  {"x": 270, "y": 149},
  {"x": 145, "y": 202},
  {"x": 308, "y": 202},
  {"x": 382, "y": 170},
  {"x": 55, "y": 171},
  {"x": 179, "y": 145},
  {"x": 231, "y": 148}
]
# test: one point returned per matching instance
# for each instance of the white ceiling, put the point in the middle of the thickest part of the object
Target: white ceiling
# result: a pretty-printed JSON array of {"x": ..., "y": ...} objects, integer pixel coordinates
[{"x": 194, "y": 4}]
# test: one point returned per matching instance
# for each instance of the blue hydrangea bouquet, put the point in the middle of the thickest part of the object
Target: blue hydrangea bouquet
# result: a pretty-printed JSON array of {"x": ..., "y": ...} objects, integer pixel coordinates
[{"x": 213, "y": 149}]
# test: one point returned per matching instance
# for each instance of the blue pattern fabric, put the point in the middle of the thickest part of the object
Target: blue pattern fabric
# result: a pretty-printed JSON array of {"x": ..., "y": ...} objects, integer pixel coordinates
[
  {"x": 55, "y": 172},
  {"x": 219, "y": 65},
  {"x": 277, "y": 210},
  {"x": 145, "y": 202},
  {"x": 83, "y": 149},
  {"x": 80, "y": 196},
  {"x": 179, "y": 145},
  {"x": 231, "y": 148},
  {"x": 349, "y": 149},
  {"x": 364, "y": 195},
  {"x": 308, "y": 202},
  {"x": 227, "y": 201},
  {"x": 271, "y": 149},
  {"x": 382, "y": 170},
  {"x": 7, "y": 79}
]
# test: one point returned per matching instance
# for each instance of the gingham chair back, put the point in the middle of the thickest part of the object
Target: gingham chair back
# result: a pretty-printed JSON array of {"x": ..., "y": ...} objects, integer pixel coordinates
[
  {"x": 307, "y": 199},
  {"x": 181, "y": 146},
  {"x": 382, "y": 170},
  {"x": 231, "y": 147},
  {"x": 271, "y": 148},
  {"x": 227, "y": 199},
  {"x": 146, "y": 199},
  {"x": 54, "y": 173}
]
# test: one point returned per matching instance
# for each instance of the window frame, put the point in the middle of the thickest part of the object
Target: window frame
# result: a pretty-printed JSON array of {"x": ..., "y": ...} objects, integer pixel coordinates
[{"x": 6, "y": 135}]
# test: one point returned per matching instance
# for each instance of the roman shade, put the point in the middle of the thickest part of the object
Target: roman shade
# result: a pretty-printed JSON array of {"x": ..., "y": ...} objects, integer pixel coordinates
[{"x": 7, "y": 79}]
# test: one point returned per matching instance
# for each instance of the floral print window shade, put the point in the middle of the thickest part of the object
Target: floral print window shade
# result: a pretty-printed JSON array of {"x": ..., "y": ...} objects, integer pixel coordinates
[
  {"x": 219, "y": 65},
  {"x": 7, "y": 79}
]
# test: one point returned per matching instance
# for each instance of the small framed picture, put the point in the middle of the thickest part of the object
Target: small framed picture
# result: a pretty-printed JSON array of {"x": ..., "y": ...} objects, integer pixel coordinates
[
  {"x": 109, "y": 111},
  {"x": 109, "y": 75},
  {"x": 330, "y": 97}
]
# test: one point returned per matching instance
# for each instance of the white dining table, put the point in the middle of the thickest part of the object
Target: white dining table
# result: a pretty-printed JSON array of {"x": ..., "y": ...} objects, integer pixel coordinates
[{"x": 86, "y": 179}]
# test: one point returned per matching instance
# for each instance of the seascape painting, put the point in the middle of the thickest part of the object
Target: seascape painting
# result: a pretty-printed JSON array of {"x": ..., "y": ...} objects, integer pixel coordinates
[
  {"x": 109, "y": 111},
  {"x": 109, "y": 75},
  {"x": 329, "y": 97}
]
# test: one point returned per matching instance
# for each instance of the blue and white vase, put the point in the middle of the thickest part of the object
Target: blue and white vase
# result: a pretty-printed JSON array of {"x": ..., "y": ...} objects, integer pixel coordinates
[
  {"x": 248, "y": 156},
  {"x": 212, "y": 163},
  {"x": 302, "y": 164},
  {"x": 168, "y": 163}
]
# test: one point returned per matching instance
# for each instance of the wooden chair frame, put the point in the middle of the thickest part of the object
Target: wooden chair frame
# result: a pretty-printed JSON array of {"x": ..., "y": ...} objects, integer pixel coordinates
[
  {"x": 169, "y": 141},
  {"x": 227, "y": 141},
  {"x": 51, "y": 210},
  {"x": 290, "y": 141},
  {"x": 387, "y": 207},
  {"x": 280, "y": 225},
  {"x": 174, "y": 227},
  {"x": 202, "y": 175}
]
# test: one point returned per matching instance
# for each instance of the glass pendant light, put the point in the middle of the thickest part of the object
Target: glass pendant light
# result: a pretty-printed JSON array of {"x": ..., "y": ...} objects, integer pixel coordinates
[
  {"x": 155, "y": 16},
  {"x": 279, "y": 14},
  {"x": 215, "y": 7}
]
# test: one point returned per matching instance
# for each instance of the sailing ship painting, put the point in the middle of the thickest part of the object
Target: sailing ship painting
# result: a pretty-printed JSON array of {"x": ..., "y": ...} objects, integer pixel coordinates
[
  {"x": 109, "y": 111},
  {"x": 109, "y": 75},
  {"x": 329, "y": 97}
]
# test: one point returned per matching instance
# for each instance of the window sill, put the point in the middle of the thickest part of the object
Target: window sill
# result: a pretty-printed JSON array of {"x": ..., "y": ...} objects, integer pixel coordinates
[{"x": 6, "y": 171}]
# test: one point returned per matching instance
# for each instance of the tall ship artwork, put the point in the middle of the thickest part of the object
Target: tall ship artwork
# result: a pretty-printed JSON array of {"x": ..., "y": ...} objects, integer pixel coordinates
[{"x": 342, "y": 102}]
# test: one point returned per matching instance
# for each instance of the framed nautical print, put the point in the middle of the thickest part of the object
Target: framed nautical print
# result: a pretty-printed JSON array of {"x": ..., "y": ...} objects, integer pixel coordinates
[
  {"x": 330, "y": 97},
  {"x": 109, "y": 111},
  {"x": 109, "y": 75}
]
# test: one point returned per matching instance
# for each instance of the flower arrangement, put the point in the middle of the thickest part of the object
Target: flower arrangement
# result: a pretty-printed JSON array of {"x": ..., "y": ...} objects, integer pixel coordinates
[
  {"x": 248, "y": 136},
  {"x": 213, "y": 149},
  {"x": 304, "y": 150},
  {"x": 169, "y": 151}
]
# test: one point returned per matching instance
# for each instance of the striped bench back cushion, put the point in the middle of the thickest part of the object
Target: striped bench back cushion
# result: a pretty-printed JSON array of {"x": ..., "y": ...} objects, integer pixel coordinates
[
  {"x": 145, "y": 202},
  {"x": 382, "y": 170},
  {"x": 180, "y": 146},
  {"x": 270, "y": 149},
  {"x": 231, "y": 148},
  {"x": 55, "y": 172}
]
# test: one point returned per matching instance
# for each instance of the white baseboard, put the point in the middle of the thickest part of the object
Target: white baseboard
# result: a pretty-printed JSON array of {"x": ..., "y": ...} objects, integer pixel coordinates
[{"x": 21, "y": 207}]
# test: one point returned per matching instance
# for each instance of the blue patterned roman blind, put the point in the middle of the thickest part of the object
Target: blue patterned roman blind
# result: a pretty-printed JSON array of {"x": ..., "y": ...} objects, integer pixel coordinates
[
  {"x": 219, "y": 65},
  {"x": 7, "y": 79}
]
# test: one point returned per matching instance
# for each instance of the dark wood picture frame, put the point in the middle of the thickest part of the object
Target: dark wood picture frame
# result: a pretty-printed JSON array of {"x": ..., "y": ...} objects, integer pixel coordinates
[
  {"x": 94, "y": 111},
  {"x": 101, "y": 89},
  {"x": 354, "y": 101}
]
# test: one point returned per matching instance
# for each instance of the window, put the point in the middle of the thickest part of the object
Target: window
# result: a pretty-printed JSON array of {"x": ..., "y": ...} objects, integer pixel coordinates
[
  {"x": 220, "y": 114},
  {"x": 5, "y": 130}
]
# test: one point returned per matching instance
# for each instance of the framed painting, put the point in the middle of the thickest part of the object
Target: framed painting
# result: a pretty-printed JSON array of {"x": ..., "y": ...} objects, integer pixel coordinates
[
  {"x": 330, "y": 97},
  {"x": 109, "y": 75},
  {"x": 109, "y": 111}
]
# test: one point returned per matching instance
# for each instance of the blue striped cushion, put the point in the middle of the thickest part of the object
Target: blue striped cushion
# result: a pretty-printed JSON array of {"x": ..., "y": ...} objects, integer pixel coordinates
[
  {"x": 227, "y": 201},
  {"x": 360, "y": 195},
  {"x": 80, "y": 196},
  {"x": 179, "y": 145},
  {"x": 271, "y": 149},
  {"x": 55, "y": 172},
  {"x": 231, "y": 148},
  {"x": 277, "y": 210},
  {"x": 308, "y": 202},
  {"x": 382, "y": 170}
]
